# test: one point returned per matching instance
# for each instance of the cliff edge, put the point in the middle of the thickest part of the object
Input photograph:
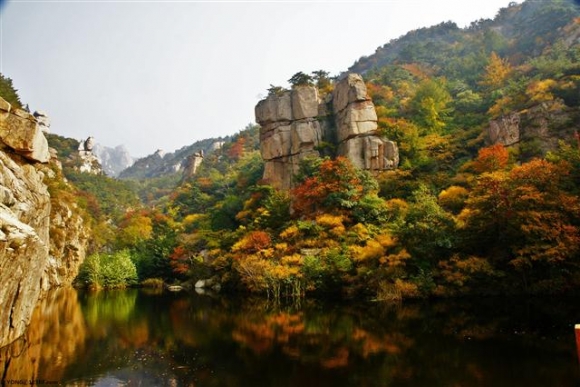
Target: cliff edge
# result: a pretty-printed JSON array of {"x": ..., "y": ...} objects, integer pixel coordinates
[{"x": 42, "y": 236}]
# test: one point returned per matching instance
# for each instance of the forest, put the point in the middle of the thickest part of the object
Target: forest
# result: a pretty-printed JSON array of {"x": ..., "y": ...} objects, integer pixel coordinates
[{"x": 460, "y": 216}]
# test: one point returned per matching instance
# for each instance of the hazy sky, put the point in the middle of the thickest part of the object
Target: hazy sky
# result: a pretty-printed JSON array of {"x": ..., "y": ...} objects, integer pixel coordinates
[{"x": 163, "y": 74}]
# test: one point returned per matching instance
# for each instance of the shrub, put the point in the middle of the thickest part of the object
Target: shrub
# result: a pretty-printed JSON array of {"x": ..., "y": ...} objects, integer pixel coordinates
[
  {"x": 154, "y": 283},
  {"x": 108, "y": 270}
]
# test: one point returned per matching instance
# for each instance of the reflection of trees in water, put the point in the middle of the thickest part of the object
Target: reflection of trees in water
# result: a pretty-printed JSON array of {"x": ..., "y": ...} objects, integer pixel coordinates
[
  {"x": 216, "y": 341},
  {"x": 55, "y": 336}
]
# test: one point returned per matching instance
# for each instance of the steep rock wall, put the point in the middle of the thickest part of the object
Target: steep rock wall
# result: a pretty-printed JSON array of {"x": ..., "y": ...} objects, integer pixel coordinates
[
  {"x": 27, "y": 220},
  {"x": 542, "y": 125},
  {"x": 296, "y": 123}
]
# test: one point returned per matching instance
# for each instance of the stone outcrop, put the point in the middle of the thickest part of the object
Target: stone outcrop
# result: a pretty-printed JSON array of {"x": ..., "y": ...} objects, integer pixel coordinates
[
  {"x": 296, "y": 123},
  {"x": 43, "y": 121},
  {"x": 30, "y": 261},
  {"x": 356, "y": 127},
  {"x": 89, "y": 162},
  {"x": 191, "y": 164},
  {"x": 290, "y": 131},
  {"x": 20, "y": 131},
  {"x": 505, "y": 130},
  {"x": 543, "y": 125}
]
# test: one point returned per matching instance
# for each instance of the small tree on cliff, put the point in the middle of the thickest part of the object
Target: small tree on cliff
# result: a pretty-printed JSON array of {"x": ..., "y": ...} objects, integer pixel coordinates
[
  {"x": 301, "y": 79},
  {"x": 8, "y": 92}
]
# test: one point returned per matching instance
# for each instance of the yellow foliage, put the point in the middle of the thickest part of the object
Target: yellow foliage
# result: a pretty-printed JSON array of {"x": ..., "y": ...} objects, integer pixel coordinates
[
  {"x": 396, "y": 260},
  {"x": 501, "y": 106},
  {"x": 290, "y": 233},
  {"x": 496, "y": 72},
  {"x": 453, "y": 198},
  {"x": 330, "y": 221},
  {"x": 397, "y": 206},
  {"x": 253, "y": 270},
  {"x": 407, "y": 289},
  {"x": 192, "y": 218},
  {"x": 338, "y": 231},
  {"x": 397, "y": 291},
  {"x": 539, "y": 90},
  {"x": 386, "y": 240},
  {"x": 371, "y": 250},
  {"x": 360, "y": 231},
  {"x": 281, "y": 246},
  {"x": 292, "y": 260}
]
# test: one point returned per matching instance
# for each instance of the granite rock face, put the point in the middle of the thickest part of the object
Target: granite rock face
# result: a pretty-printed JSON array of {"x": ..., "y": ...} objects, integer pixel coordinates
[
  {"x": 20, "y": 131},
  {"x": 89, "y": 162},
  {"x": 296, "y": 123},
  {"x": 543, "y": 125},
  {"x": 290, "y": 131},
  {"x": 31, "y": 261}
]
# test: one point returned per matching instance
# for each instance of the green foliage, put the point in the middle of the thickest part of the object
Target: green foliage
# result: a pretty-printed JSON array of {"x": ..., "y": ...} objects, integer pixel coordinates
[
  {"x": 9, "y": 93},
  {"x": 301, "y": 79},
  {"x": 427, "y": 231},
  {"x": 108, "y": 271},
  {"x": 430, "y": 105}
]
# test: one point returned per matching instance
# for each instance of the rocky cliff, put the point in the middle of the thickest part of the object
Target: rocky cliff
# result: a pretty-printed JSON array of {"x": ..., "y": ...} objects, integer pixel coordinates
[
  {"x": 297, "y": 123},
  {"x": 536, "y": 130},
  {"x": 31, "y": 260}
]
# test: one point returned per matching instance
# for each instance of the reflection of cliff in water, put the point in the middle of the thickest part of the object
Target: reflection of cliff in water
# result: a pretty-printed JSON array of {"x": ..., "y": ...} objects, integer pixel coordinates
[{"x": 55, "y": 336}]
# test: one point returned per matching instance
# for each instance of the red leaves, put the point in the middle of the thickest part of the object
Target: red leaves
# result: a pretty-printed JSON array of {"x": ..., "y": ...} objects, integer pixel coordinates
[{"x": 492, "y": 158}]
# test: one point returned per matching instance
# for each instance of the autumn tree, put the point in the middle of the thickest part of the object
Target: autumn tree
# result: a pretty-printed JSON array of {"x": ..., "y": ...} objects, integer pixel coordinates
[
  {"x": 496, "y": 73},
  {"x": 525, "y": 222},
  {"x": 491, "y": 158},
  {"x": 336, "y": 185}
]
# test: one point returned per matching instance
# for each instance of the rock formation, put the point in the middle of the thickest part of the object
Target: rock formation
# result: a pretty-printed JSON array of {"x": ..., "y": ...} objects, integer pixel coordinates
[
  {"x": 89, "y": 161},
  {"x": 43, "y": 121},
  {"x": 543, "y": 125},
  {"x": 31, "y": 260},
  {"x": 191, "y": 164},
  {"x": 20, "y": 132},
  {"x": 295, "y": 124}
]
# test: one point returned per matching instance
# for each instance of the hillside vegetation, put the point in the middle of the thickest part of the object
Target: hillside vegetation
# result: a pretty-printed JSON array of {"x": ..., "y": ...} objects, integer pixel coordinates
[{"x": 462, "y": 214}]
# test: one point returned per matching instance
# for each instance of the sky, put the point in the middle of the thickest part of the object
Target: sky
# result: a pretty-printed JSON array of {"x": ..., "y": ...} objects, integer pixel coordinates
[{"x": 163, "y": 74}]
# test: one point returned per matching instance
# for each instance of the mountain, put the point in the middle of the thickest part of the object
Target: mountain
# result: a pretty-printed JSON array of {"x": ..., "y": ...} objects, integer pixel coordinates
[
  {"x": 519, "y": 30},
  {"x": 113, "y": 160},
  {"x": 160, "y": 163}
]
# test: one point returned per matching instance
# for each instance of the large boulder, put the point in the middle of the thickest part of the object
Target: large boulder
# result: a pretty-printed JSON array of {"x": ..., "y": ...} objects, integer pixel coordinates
[
  {"x": 505, "y": 130},
  {"x": 274, "y": 108},
  {"x": 350, "y": 89},
  {"x": 20, "y": 131},
  {"x": 304, "y": 102}
]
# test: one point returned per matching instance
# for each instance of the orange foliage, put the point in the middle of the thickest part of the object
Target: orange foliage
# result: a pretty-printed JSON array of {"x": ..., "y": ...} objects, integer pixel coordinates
[
  {"x": 335, "y": 177},
  {"x": 180, "y": 260},
  {"x": 253, "y": 242},
  {"x": 236, "y": 151},
  {"x": 491, "y": 158}
]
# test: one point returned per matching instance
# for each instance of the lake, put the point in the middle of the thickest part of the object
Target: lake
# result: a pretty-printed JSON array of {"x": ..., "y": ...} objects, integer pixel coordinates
[{"x": 141, "y": 338}]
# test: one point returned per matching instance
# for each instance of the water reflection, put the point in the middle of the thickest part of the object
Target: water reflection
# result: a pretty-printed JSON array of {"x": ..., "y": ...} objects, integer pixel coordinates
[
  {"x": 136, "y": 338},
  {"x": 56, "y": 335}
]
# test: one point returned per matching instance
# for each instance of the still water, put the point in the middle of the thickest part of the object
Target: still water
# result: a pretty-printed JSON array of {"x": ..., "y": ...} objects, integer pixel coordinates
[{"x": 136, "y": 338}]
